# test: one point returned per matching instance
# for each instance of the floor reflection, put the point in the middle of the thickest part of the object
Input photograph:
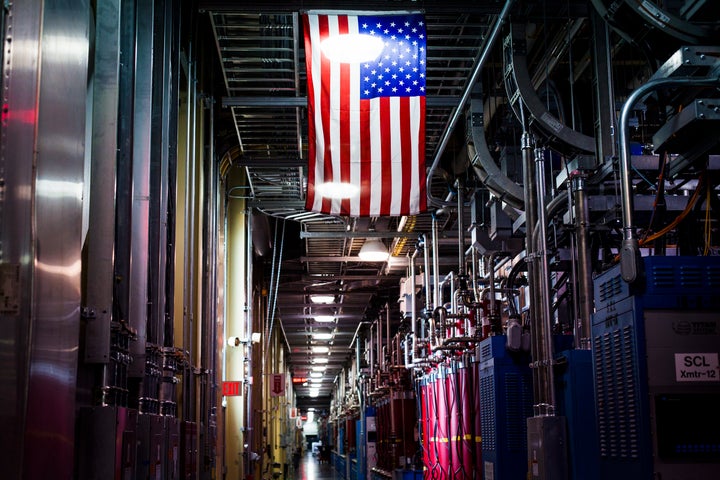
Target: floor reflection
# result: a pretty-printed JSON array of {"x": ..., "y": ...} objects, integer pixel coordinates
[{"x": 312, "y": 469}]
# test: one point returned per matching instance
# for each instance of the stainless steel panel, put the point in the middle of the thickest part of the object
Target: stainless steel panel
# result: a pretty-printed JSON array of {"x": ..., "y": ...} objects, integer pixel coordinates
[
  {"x": 56, "y": 246},
  {"x": 17, "y": 136},
  {"x": 42, "y": 164}
]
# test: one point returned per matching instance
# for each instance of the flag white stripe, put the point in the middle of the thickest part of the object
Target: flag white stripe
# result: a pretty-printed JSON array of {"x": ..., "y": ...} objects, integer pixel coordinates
[
  {"x": 396, "y": 169},
  {"x": 354, "y": 125},
  {"x": 317, "y": 90},
  {"x": 375, "y": 158},
  {"x": 334, "y": 120}
]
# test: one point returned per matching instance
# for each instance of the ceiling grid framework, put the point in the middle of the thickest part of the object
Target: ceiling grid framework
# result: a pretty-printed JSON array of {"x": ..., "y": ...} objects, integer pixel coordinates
[{"x": 261, "y": 51}]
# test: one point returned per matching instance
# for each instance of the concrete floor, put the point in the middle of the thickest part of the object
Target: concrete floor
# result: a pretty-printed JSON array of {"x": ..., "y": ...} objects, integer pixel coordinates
[{"x": 312, "y": 469}]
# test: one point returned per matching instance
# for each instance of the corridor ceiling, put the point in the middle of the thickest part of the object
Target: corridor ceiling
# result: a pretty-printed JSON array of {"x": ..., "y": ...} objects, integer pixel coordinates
[
  {"x": 262, "y": 55},
  {"x": 261, "y": 50}
]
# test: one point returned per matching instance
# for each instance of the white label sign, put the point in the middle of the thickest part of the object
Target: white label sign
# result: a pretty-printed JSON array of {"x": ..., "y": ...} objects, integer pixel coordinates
[{"x": 697, "y": 367}]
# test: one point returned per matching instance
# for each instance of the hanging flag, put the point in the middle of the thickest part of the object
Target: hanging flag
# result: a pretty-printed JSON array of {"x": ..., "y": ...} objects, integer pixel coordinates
[{"x": 366, "y": 119}]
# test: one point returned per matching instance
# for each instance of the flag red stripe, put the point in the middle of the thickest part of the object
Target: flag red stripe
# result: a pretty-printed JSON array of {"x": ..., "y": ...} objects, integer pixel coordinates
[
  {"x": 365, "y": 178},
  {"x": 344, "y": 125},
  {"x": 385, "y": 187},
  {"x": 325, "y": 111},
  {"x": 422, "y": 196}
]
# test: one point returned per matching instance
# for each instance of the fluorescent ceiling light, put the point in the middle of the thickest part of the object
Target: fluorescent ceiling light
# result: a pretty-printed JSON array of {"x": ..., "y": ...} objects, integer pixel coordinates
[
  {"x": 316, "y": 375},
  {"x": 313, "y": 379},
  {"x": 318, "y": 349},
  {"x": 373, "y": 250},
  {"x": 322, "y": 336},
  {"x": 314, "y": 393},
  {"x": 320, "y": 360},
  {"x": 324, "y": 318},
  {"x": 322, "y": 298},
  {"x": 352, "y": 47},
  {"x": 319, "y": 368},
  {"x": 311, "y": 409},
  {"x": 337, "y": 190}
]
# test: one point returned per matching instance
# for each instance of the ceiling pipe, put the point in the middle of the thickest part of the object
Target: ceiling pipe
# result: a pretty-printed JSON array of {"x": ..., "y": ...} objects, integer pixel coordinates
[{"x": 450, "y": 126}]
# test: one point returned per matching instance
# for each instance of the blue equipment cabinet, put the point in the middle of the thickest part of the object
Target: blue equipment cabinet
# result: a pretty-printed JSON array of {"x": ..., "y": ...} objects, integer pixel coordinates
[
  {"x": 656, "y": 345},
  {"x": 506, "y": 395},
  {"x": 574, "y": 387}
]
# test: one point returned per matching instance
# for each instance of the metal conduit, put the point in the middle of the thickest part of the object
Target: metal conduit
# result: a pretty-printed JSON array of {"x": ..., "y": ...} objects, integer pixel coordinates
[
  {"x": 481, "y": 59},
  {"x": 426, "y": 272},
  {"x": 530, "y": 193},
  {"x": 546, "y": 402},
  {"x": 461, "y": 231},
  {"x": 584, "y": 268},
  {"x": 630, "y": 250}
]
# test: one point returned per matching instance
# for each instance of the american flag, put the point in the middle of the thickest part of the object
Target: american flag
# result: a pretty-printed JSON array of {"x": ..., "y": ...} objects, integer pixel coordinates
[{"x": 366, "y": 121}]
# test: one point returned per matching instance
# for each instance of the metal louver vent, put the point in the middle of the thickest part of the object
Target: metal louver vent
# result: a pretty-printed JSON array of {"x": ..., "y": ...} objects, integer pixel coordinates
[
  {"x": 610, "y": 288},
  {"x": 518, "y": 404},
  {"x": 713, "y": 276},
  {"x": 617, "y": 394},
  {"x": 691, "y": 277},
  {"x": 663, "y": 276},
  {"x": 487, "y": 413}
]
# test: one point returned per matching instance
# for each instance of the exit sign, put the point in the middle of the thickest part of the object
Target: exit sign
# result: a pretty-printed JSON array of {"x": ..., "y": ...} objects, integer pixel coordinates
[{"x": 231, "y": 389}]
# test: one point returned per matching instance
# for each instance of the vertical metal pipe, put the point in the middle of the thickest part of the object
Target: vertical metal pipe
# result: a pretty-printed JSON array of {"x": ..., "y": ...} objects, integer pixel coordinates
[
  {"x": 584, "y": 280},
  {"x": 461, "y": 230},
  {"x": 530, "y": 194},
  {"x": 140, "y": 191},
  {"x": 546, "y": 403},
  {"x": 426, "y": 272},
  {"x": 187, "y": 250},
  {"x": 357, "y": 364},
  {"x": 436, "y": 264},
  {"x": 378, "y": 343},
  {"x": 387, "y": 336},
  {"x": 413, "y": 309},
  {"x": 371, "y": 340},
  {"x": 249, "y": 348}
]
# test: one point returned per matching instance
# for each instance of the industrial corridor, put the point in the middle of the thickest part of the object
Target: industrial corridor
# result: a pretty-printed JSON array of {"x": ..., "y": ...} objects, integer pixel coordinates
[{"x": 378, "y": 240}]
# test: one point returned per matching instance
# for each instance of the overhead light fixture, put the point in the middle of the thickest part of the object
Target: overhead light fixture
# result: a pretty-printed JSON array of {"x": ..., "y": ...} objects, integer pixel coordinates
[
  {"x": 320, "y": 360},
  {"x": 319, "y": 349},
  {"x": 319, "y": 368},
  {"x": 352, "y": 47},
  {"x": 322, "y": 336},
  {"x": 316, "y": 375},
  {"x": 314, "y": 393},
  {"x": 339, "y": 190},
  {"x": 318, "y": 379},
  {"x": 324, "y": 318},
  {"x": 322, "y": 298},
  {"x": 373, "y": 250}
]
